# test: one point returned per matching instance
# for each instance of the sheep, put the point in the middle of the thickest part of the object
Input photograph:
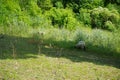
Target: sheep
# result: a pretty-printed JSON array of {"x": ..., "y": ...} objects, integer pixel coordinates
[
  {"x": 41, "y": 33},
  {"x": 81, "y": 45},
  {"x": 37, "y": 38}
]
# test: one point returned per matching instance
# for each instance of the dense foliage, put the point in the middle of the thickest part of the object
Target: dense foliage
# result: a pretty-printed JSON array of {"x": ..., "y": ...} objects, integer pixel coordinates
[
  {"x": 63, "y": 21},
  {"x": 61, "y": 13}
]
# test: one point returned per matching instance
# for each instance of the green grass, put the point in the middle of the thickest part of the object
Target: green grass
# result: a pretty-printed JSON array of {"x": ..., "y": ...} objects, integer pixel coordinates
[
  {"x": 27, "y": 55},
  {"x": 97, "y": 41},
  {"x": 71, "y": 65},
  {"x": 21, "y": 59},
  {"x": 53, "y": 68}
]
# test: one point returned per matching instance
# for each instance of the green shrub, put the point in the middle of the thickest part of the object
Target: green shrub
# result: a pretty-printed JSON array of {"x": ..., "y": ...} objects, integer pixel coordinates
[
  {"x": 58, "y": 4},
  {"x": 44, "y": 4},
  {"x": 101, "y": 17},
  {"x": 90, "y": 4},
  {"x": 114, "y": 7},
  {"x": 84, "y": 16},
  {"x": 8, "y": 8},
  {"x": 75, "y": 5},
  {"x": 109, "y": 26},
  {"x": 62, "y": 18}
]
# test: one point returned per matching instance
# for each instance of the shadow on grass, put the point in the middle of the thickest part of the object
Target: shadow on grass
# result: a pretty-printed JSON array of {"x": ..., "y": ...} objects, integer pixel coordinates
[
  {"x": 12, "y": 47},
  {"x": 16, "y": 47}
]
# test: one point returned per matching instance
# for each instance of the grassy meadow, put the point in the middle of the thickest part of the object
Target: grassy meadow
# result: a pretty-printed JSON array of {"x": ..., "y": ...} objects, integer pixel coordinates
[
  {"x": 37, "y": 39},
  {"x": 27, "y": 54}
]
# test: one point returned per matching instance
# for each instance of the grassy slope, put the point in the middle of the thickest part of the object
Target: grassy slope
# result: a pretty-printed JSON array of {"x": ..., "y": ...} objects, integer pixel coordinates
[
  {"x": 49, "y": 68},
  {"x": 19, "y": 58},
  {"x": 51, "y": 63}
]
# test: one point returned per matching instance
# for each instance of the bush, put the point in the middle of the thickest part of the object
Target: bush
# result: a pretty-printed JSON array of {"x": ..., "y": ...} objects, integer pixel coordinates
[
  {"x": 91, "y": 4},
  {"x": 114, "y": 7},
  {"x": 58, "y": 4},
  {"x": 84, "y": 16},
  {"x": 62, "y": 18},
  {"x": 109, "y": 26},
  {"x": 101, "y": 17},
  {"x": 44, "y": 4}
]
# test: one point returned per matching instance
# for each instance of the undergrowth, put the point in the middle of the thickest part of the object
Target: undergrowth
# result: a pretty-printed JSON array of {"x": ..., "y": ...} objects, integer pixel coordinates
[{"x": 97, "y": 41}]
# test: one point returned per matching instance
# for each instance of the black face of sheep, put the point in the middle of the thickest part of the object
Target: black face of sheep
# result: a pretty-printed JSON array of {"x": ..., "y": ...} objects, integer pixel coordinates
[{"x": 81, "y": 45}]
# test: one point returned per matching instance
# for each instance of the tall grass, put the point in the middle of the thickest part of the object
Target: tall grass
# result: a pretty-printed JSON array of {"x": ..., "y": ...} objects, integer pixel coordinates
[
  {"x": 97, "y": 41},
  {"x": 100, "y": 41}
]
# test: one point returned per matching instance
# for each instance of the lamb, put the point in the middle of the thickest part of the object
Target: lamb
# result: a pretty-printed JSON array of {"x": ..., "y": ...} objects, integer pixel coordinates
[{"x": 81, "y": 45}]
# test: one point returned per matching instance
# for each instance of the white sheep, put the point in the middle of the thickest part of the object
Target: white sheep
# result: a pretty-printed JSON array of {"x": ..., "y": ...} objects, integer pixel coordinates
[{"x": 81, "y": 45}]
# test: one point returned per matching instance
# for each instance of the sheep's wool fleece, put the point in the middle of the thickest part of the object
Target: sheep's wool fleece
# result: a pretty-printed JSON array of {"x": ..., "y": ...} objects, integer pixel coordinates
[{"x": 80, "y": 43}]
